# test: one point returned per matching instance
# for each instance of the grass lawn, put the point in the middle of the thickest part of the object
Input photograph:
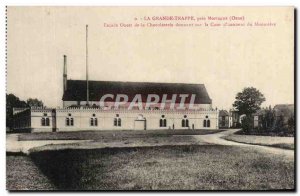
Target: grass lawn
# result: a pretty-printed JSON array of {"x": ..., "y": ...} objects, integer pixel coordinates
[
  {"x": 99, "y": 135},
  {"x": 279, "y": 142},
  {"x": 282, "y": 133},
  {"x": 23, "y": 174},
  {"x": 206, "y": 167}
]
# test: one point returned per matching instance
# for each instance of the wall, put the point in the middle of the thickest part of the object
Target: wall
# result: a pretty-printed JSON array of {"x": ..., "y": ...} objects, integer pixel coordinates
[
  {"x": 36, "y": 117},
  {"x": 82, "y": 117},
  {"x": 97, "y": 103},
  {"x": 22, "y": 120},
  {"x": 128, "y": 118},
  {"x": 224, "y": 122}
]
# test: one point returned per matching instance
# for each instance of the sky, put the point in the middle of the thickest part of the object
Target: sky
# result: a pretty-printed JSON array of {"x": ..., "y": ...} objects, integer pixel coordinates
[{"x": 225, "y": 60}]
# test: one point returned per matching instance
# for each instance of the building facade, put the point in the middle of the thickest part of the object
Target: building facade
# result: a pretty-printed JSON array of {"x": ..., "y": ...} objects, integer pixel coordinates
[
  {"x": 110, "y": 105},
  {"x": 224, "y": 119},
  {"x": 78, "y": 119}
]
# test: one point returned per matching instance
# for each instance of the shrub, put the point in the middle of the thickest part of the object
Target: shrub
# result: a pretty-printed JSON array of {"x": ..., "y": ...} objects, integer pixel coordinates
[
  {"x": 291, "y": 124},
  {"x": 247, "y": 124}
]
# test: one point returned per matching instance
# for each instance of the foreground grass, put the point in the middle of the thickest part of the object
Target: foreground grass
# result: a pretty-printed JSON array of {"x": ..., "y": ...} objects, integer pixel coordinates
[
  {"x": 279, "y": 142},
  {"x": 23, "y": 174},
  {"x": 116, "y": 134},
  {"x": 210, "y": 167}
]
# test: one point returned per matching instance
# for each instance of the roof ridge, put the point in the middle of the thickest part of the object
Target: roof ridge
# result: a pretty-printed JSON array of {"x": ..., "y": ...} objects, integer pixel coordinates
[{"x": 138, "y": 82}]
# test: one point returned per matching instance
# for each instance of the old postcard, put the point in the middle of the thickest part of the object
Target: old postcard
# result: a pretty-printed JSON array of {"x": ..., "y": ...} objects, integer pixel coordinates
[{"x": 150, "y": 98}]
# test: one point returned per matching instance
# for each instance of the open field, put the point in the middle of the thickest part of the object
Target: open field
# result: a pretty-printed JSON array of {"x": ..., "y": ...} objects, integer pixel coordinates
[
  {"x": 206, "y": 167},
  {"x": 116, "y": 134},
  {"x": 279, "y": 142}
]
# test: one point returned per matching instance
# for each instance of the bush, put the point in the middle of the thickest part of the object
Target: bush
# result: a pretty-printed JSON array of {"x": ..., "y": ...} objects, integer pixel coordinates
[
  {"x": 291, "y": 124},
  {"x": 247, "y": 124}
]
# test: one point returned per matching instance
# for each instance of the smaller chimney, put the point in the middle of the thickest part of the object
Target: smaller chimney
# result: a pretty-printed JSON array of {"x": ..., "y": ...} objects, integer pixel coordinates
[{"x": 65, "y": 73}]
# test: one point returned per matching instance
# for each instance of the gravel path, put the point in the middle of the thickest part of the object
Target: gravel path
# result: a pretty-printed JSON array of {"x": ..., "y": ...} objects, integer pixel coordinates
[{"x": 217, "y": 139}]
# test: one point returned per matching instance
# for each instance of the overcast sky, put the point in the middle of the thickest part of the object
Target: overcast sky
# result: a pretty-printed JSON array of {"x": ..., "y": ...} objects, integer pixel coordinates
[{"x": 224, "y": 59}]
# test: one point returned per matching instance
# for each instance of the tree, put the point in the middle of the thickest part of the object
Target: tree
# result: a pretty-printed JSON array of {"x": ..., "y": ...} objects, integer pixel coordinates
[
  {"x": 291, "y": 124},
  {"x": 34, "y": 103},
  {"x": 268, "y": 119},
  {"x": 248, "y": 101},
  {"x": 11, "y": 102},
  {"x": 279, "y": 125},
  {"x": 247, "y": 124}
]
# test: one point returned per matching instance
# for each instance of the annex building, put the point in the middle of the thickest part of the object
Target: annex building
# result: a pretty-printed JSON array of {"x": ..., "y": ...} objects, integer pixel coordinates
[{"x": 111, "y": 105}]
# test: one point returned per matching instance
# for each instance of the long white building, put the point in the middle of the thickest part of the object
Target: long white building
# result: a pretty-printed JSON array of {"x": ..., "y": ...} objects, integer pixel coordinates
[{"x": 108, "y": 105}]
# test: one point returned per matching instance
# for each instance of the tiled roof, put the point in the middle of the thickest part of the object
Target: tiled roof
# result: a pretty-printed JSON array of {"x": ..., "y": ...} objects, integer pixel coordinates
[
  {"x": 76, "y": 90},
  {"x": 223, "y": 113}
]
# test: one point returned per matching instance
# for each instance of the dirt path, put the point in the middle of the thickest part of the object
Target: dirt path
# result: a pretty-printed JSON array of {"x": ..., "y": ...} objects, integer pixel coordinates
[{"x": 217, "y": 139}]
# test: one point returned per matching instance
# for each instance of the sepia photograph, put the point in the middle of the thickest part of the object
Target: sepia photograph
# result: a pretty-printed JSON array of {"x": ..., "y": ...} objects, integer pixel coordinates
[{"x": 129, "y": 98}]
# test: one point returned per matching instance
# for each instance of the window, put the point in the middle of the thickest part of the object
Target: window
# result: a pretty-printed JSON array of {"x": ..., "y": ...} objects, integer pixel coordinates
[
  {"x": 45, "y": 122},
  {"x": 69, "y": 121},
  {"x": 185, "y": 122},
  {"x": 117, "y": 121},
  {"x": 206, "y": 122},
  {"x": 94, "y": 121},
  {"x": 163, "y": 121}
]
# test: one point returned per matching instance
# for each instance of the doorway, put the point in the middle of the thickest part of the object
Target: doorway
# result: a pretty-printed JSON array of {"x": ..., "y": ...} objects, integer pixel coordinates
[{"x": 140, "y": 124}]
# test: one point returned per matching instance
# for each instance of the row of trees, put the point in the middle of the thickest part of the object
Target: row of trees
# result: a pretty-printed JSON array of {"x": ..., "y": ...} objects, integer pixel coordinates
[
  {"x": 248, "y": 102},
  {"x": 13, "y": 101},
  {"x": 269, "y": 123}
]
